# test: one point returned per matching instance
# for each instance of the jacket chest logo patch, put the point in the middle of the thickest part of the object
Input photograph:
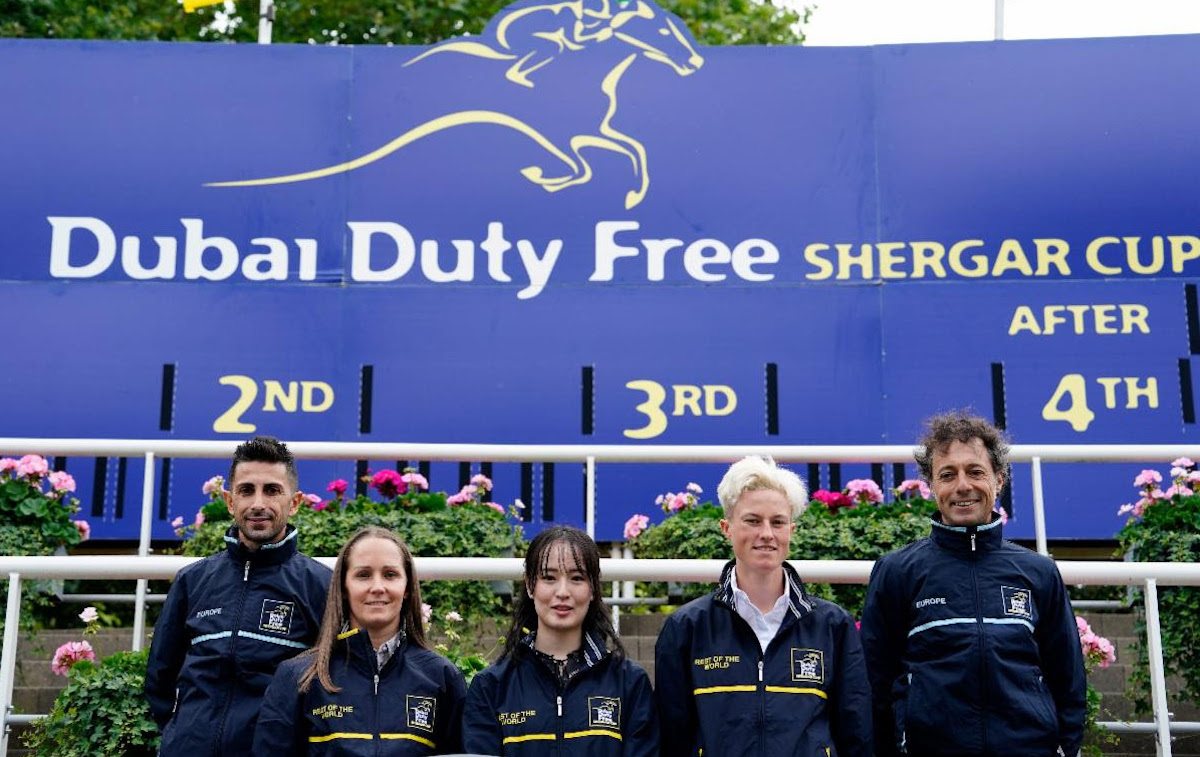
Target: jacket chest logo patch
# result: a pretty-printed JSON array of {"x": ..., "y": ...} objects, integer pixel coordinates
[
  {"x": 422, "y": 712},
  {"x": 276, "y": 616},
  {"x": 1017, "y": 602},
  {"x": 604, "y": 712},
  {"x": 808, "y": 665}
]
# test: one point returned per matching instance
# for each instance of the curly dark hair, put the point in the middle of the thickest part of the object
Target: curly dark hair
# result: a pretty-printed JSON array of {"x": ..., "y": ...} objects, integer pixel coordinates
[
  {"x": 264, "y": 449},
  {"x": 961, "y": 426}
]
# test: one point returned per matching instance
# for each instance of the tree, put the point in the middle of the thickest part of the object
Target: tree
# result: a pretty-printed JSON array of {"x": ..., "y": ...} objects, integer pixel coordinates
[{"x": 400, "y": 22}]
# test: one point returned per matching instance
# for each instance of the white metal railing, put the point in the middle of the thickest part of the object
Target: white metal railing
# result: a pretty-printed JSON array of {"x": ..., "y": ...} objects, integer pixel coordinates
[
  {"x": 589, "y": 455},
  {"x": 1148, "y": 575}
]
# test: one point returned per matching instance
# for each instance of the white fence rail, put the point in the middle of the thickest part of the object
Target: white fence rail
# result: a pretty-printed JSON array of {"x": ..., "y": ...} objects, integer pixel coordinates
[{"x": 147, "y": 567}]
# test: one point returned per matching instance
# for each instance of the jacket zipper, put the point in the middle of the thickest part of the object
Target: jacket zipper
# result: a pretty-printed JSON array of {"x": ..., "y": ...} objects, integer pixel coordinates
[
  {"x": 237, "y": 623},
  {"x": 375, "y": 735},
  {"x": 982, "y": 646}
]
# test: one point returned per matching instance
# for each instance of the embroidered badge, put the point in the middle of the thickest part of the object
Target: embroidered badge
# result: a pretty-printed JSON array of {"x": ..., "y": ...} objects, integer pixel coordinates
[
  {"x": 1017, "y": 601},
  {"x": 808, "y": 665},
  {"x": 421, "y": 712},
  {"x": 604, "y": 712},
  {"x": 276, "y": 616}
]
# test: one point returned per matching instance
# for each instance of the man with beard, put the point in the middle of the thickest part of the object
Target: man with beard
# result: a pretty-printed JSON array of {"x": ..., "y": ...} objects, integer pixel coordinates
[{"x": 231, "y": 618}]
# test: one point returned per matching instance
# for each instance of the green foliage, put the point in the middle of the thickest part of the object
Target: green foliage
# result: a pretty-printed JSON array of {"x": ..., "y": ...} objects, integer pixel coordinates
[
  {"x": 403, "y": 22},
  {"x": 101, "y": 712},
  {"x": 1169, "y": 530},
  {"x": 36, "y": 596},
  {"x": 427, "y": 525},
  {"x": 858, "y": 533}
]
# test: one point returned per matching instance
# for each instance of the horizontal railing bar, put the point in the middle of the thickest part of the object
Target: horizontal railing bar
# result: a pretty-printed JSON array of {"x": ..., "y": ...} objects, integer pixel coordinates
[
  {"x": 118, "y": 598},
  {"x": 1175, "y": 726},
  {"x": 509, "y": 568},
  {"x": 603, "y": 453},
  {"x": 1099, "y": 604}
]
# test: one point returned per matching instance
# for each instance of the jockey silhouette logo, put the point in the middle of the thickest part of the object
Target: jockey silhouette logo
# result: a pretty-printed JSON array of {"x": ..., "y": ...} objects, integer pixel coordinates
[{"x": 522, "y": 42}]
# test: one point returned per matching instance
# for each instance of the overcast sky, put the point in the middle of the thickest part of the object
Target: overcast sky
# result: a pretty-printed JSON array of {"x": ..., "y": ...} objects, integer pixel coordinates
[{"x": 881, "y": 22}]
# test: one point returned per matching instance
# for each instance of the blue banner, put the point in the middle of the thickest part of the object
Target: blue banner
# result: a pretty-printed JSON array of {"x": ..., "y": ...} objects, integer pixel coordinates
[{"x": 591, "y": 230}]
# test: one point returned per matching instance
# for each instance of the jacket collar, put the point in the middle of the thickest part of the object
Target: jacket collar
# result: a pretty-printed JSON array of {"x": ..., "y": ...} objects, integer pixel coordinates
[
  {"x": 799, "y": 603},
  {"x": 362, "y": 654},
  {"x": 594, "y": 650},
  {"x": 987, "y": 537},
  {"x": 267, "y": 554}
]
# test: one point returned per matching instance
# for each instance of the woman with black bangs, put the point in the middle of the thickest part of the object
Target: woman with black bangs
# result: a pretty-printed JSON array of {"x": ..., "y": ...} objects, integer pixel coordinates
[{"x": 563, "y": 676}]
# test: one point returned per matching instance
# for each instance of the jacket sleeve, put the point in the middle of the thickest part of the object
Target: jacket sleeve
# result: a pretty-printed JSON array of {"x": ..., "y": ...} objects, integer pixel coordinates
[
  {"x": 1062, "y": 663},
  {"x": 641, "y": 731},
  {"x": 851, "y": 705},
  {"x": 167, "y": 651},
  {"x": 481, "y": 732},
  {"x": 281, "y": 728},
  {"x": 456, "y": 695},
  {"x": 676, "y": 704},
  {"x": 884, "y": 645}
]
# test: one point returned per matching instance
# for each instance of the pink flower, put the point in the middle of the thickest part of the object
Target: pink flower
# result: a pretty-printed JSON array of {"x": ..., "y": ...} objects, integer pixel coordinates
[
  {"x": 678, "y": 502},
  {"x": 453, "y": 617},
  {"x": 470, "y": 490},
  {"x": 318, "y": 507},
  {"x": 177, "y": 523},
  {"x": 660, "y": 499},
  {"x": 457, "y": 499},
  {"x": 199, "y": 519},
  {"x": 482, "y": 481},
  {"x": 61, "y": 481},
  {"x": 1124, "y": 509},
  {"x": 1177, "y": 491},
  {"x": 1194, "y": 477},
  {"x": 69, "y": 654},
  {"x": 636, "y": 525},
  {"x": 7, "y": 464},
  {"x": 864, "y": 491},
  {"x": 417, "y": 481},
  {"x": 496, "y": 507},
  {"x": 1082, "y": 625},
  {"x": 389, "y": 484},
  {"x": 1178, "y": 473},
  {"x": 832, "y": 500},
  {"x": 89, "y": 615},
  {"x": 33, "y": 466},
  {"x": 1182, "y": 462},
  {"x": 85, "y": 530},
  {"x": 312, "y": 499},
  {"x": 1147, "y": 478},
  {"x": 1003, "y": 515},
  {"x": 695, "y": 488},
  {"x": 338, "y": 486},
  {"x": 911, "y": 485},
  {"x": 426, "y": 613},
  {"x": 213, "y": 485}
]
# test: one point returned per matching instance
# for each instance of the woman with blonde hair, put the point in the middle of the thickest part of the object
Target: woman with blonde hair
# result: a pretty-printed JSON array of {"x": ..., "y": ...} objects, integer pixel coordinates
[{"x": 371, "y": 685}]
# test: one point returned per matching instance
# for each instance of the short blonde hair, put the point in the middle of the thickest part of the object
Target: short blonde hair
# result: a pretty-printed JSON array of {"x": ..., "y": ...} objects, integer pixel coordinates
[{"x": 754, "y": 473}]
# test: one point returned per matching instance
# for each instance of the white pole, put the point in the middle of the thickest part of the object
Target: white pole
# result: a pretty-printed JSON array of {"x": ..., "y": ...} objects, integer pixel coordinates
[
  {"x": 139, "y": 607},
  {"x": 615, "y": 553},
  {"x": 8, "y": 656},
  {"x": 627, "y": 586},
  {"x": 1039, "y": 508},
  {"x": 999, "y": 23},
  {"x": 266, "y": 18},
  {"x": 590, "y": 515},
  {"x": 1158, "y": 678}
]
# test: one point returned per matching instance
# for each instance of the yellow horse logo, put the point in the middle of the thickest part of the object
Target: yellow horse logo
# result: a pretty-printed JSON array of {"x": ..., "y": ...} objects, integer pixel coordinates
[{"x": 527, "y": 38}]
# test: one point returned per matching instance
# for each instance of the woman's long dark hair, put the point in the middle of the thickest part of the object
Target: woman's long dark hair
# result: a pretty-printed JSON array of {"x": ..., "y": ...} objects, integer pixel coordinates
[
  {"x": 586, "y": 557},
  {"x": 337, "y": 609}
]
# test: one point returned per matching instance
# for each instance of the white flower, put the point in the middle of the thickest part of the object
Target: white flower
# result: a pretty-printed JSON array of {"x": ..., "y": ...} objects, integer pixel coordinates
[{"x": 89, "y": 615}]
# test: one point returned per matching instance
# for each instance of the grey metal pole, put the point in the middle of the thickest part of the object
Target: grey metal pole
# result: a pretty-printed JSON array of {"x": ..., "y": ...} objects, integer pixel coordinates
[
  {"x": 999, "y": 19},
  {"x": 1158, "y": 678},
  {"x": 1039, "y": 508},
  {"x": 591, "y": 497},
  {"x": 8, "y": 656},
  {"x": 266, "y": 20},
  {"x": 139, "y": 607}
]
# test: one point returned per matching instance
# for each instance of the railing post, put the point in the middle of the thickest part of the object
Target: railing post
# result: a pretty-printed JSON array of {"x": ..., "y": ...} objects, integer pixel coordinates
[
  {"x": 1158, "y": 678},
  {"x": 8, "y": 657},
  {"x": 590, "y": 514},
  {"x": 615, "y": 553},
  {"x": 1039, "y": 508},
  {"x": 139, "y": 607}
]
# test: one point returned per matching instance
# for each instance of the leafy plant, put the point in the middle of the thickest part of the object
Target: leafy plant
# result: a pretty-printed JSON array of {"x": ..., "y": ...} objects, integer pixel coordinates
[
  {"x": 1098, "y": 652},
  {"x": 836, "y": 526},
  {"x": 1165, "y": 526},
  {"x": 433, "y": 524},
  {"x": 468, "y": 662}
]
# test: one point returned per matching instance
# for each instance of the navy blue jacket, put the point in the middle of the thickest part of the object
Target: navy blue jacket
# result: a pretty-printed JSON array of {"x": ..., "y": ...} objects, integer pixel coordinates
[
  {"x": 972, "y": 649},
  {"x": 413, "y": 706},
  {"x": 228, "y": 622},
  {"x": 719, "y": 694},
  {"x": 514, "y": 709}
]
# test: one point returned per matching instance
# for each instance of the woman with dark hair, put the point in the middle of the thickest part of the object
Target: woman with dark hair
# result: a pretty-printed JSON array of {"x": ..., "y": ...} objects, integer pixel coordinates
[
  {"x": 371, "y": 685},
  {"x": 563, "y": 676}
]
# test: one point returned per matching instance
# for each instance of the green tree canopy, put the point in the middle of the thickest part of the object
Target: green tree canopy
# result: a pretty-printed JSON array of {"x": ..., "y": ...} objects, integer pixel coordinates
[{"x": 401, "y": 22}]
